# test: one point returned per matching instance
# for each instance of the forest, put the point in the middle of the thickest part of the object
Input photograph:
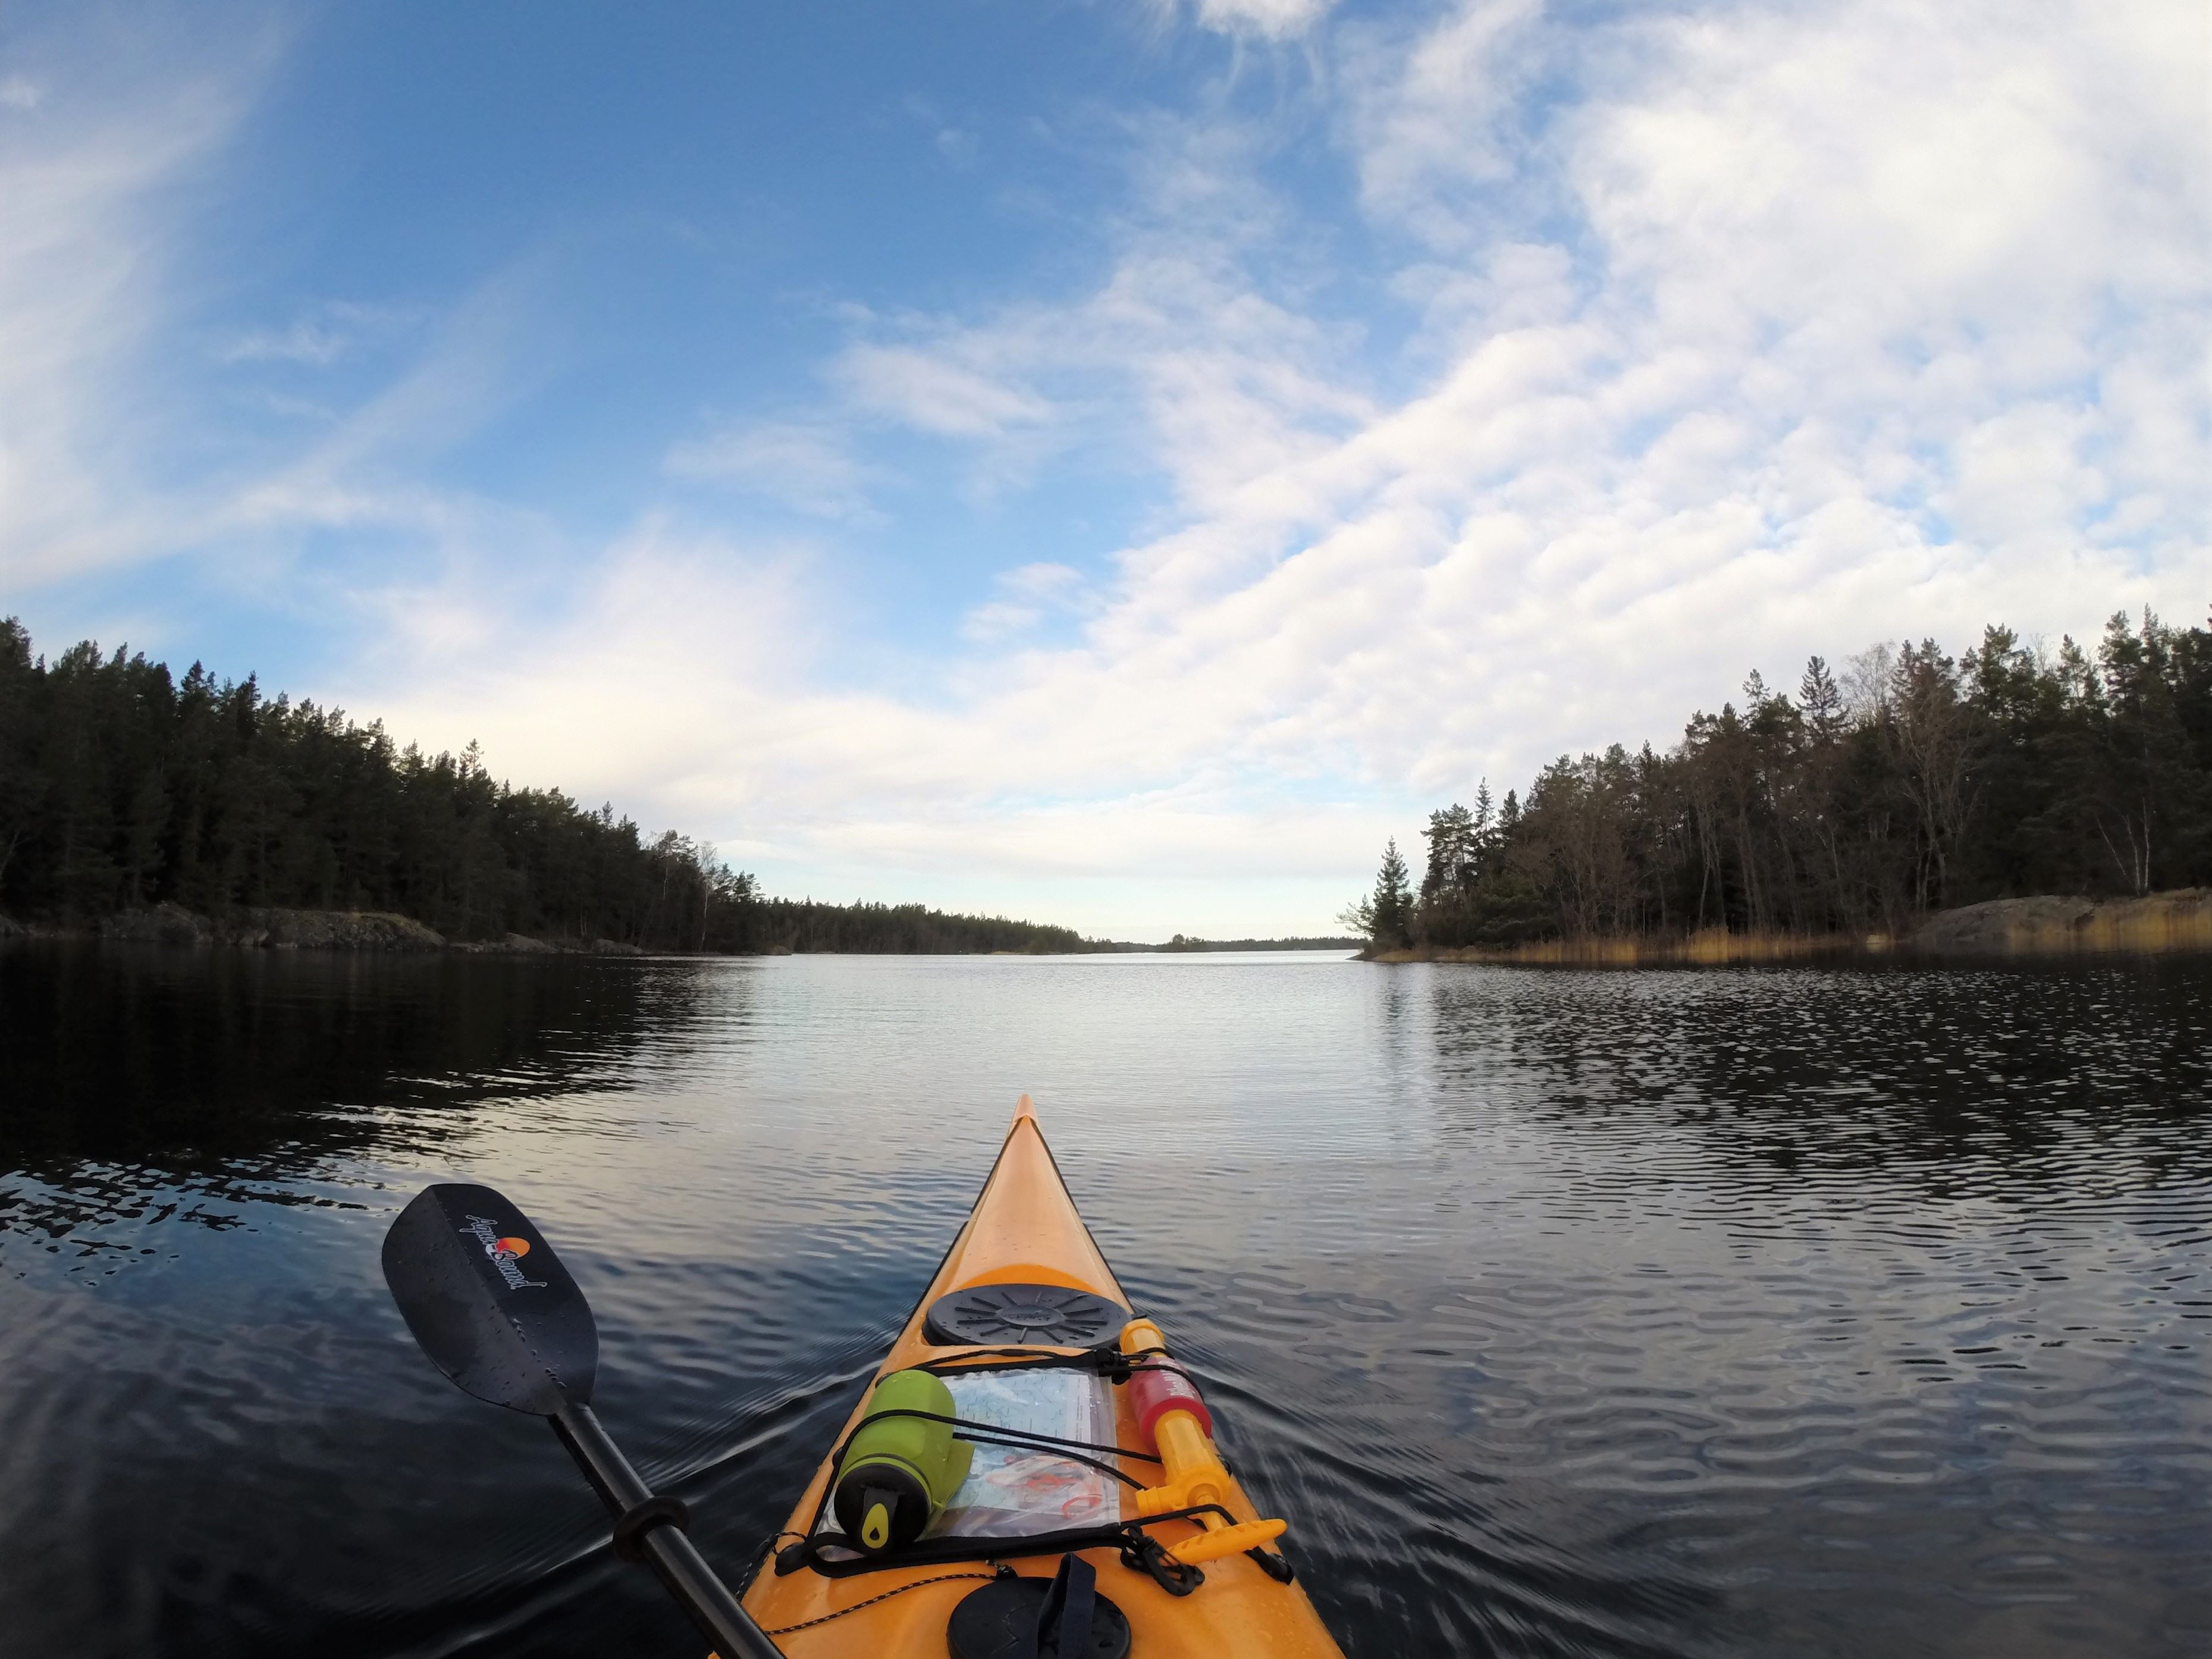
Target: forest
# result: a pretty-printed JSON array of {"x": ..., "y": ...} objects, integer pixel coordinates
[
  {"x": 1181, "y": 943},
  {"x": 121, "y": 786},
  {"x": 1911, "y": 782}
]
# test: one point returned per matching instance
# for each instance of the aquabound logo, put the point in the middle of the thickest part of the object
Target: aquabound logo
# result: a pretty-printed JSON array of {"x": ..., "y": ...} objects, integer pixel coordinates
[{"x": 504, "y": 1252}]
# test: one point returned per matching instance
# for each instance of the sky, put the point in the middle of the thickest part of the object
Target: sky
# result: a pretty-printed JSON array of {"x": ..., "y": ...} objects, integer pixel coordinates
[{"x": 1109, "y": 461}]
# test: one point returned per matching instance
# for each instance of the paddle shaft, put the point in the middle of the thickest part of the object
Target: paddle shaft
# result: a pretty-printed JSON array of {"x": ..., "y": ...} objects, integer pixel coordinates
[{"x": 675, "y": 1560}]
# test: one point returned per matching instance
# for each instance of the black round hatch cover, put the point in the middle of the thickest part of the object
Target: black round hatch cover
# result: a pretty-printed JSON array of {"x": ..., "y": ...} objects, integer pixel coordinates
[
  {"x": 1020, "y": 1315},
  {"x": 1000, "y": 1620}
]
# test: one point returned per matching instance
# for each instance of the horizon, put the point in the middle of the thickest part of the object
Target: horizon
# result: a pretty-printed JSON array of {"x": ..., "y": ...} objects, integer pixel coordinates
[{"x": 1109, "y": 464}]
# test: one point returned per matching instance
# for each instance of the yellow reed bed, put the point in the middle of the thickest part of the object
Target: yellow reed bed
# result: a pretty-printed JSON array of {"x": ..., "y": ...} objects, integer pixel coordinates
[{"x": 2155, "y": 924}]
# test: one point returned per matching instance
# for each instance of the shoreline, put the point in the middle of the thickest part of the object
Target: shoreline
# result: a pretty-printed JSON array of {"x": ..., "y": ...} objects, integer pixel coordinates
[
  {"x": 2042, "y": 926},
  {"x": 275, "y": 929}
]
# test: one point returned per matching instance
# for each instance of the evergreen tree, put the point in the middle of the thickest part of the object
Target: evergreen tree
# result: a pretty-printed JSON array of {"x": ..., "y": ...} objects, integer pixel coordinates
[
  {"x": 1392, "y": 905},
  {"x": 1820, "y": 701},
  {"x": 1918, "y": 780},
  {"x": 1451, "y": 850},
  {"x": 121, "y": 786}
]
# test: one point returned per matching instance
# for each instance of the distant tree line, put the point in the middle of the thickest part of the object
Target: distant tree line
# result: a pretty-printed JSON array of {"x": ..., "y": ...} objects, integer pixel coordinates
[
  {"x": 1184, "y": 942},
  {"x": 121, "y": 786},
  {"x": 1913, "y": 782},
  {"x": 804, "y": 925}
]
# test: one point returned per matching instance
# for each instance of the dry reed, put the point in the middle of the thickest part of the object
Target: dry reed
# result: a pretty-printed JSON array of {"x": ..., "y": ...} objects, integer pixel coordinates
[{"x": 2155, "y": 924}]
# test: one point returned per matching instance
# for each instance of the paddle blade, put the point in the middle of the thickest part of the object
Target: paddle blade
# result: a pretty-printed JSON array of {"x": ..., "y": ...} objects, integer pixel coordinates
[{"x": 490, "y": 1302}]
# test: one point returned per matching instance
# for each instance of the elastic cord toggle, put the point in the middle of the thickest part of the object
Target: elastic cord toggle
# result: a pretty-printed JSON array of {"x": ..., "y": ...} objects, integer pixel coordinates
[
  {"x": 1145, "y": 1553},
  {"x": 634, "y": 1523}
]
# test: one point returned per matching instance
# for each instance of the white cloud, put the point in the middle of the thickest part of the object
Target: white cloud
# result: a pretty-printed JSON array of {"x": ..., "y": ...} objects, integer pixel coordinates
[
  {"x": 690, "y": 688},
  {"x": 90, "y": 211},
  {"x": 808, "y": 465},
  {"x": 959, "y": 145},
  {"x": 311, "y": 344},
  {"x": 1024, "y": 599},
  {"x": 1437, "y": 117},
  {"x": 1674, "y": 343},
  {"x": 1178, "y": 361},
  {"x": 936, "y": 392},
  {"x": 1826, "y": 349},
  {"x": 81, "y": 298},
  {"x": 1271, "y": 20},
  {"x": 337, "y": 330}
]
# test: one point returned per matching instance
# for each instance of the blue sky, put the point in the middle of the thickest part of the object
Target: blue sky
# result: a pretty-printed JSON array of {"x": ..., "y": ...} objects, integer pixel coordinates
[{"x": 1114, "y": 462}]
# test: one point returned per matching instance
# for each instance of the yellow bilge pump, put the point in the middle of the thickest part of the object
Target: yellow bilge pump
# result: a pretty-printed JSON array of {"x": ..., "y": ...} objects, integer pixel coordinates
[{"x": 902, "y": 1465}]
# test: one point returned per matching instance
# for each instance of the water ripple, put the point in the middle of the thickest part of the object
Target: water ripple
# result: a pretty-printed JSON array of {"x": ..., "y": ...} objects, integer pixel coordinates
[{"x": 1664, "y": 1314}]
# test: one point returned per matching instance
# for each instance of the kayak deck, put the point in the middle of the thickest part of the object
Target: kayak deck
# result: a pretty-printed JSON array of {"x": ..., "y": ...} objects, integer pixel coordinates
[{"x": 1024, "y": 1230}]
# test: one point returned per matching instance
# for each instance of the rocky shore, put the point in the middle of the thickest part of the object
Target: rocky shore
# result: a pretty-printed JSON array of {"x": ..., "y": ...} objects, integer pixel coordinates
[
  {"x": 2178, "y": 921},
  {"x": 2038, "y": 926},
  {"x": 378, "y": 931}
]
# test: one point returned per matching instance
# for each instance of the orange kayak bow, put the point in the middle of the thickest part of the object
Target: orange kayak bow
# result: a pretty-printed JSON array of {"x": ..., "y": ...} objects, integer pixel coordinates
[{"x": 1029, "y": 1467}]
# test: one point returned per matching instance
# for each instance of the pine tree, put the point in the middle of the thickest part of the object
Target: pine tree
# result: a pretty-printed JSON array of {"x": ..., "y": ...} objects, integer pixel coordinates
[
  {"x": 1393, "y": 903},
  {"x": 1451, "y": 850},
  {"x": 1821, "y": 700}
]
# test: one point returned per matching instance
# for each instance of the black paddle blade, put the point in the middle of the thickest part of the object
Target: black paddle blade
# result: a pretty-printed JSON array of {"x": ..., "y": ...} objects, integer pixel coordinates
[{"x": 490, "y": 1302}]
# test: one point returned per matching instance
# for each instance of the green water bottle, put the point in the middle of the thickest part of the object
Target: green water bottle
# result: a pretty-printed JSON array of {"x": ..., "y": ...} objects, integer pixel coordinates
[{"x": 900, "y": 1471}]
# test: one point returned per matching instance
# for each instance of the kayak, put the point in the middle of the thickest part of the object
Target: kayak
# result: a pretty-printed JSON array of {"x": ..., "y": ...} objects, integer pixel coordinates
[
  {"x": 1029, "y": 1475},
  {"x": 1030, "y": 1470}
]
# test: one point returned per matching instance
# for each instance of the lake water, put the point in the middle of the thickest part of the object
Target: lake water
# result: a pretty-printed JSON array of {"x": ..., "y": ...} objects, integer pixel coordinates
[{"x": 1733, "y": 1313}]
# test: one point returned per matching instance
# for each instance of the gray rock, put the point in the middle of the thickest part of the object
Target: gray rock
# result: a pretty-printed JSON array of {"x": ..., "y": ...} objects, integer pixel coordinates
[
  {"x": 2181, "y": 920},
  {"x": 166, "y": 923},
  {"x": 514, "y": 944},
  {"x": 330, "y": 930}
]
